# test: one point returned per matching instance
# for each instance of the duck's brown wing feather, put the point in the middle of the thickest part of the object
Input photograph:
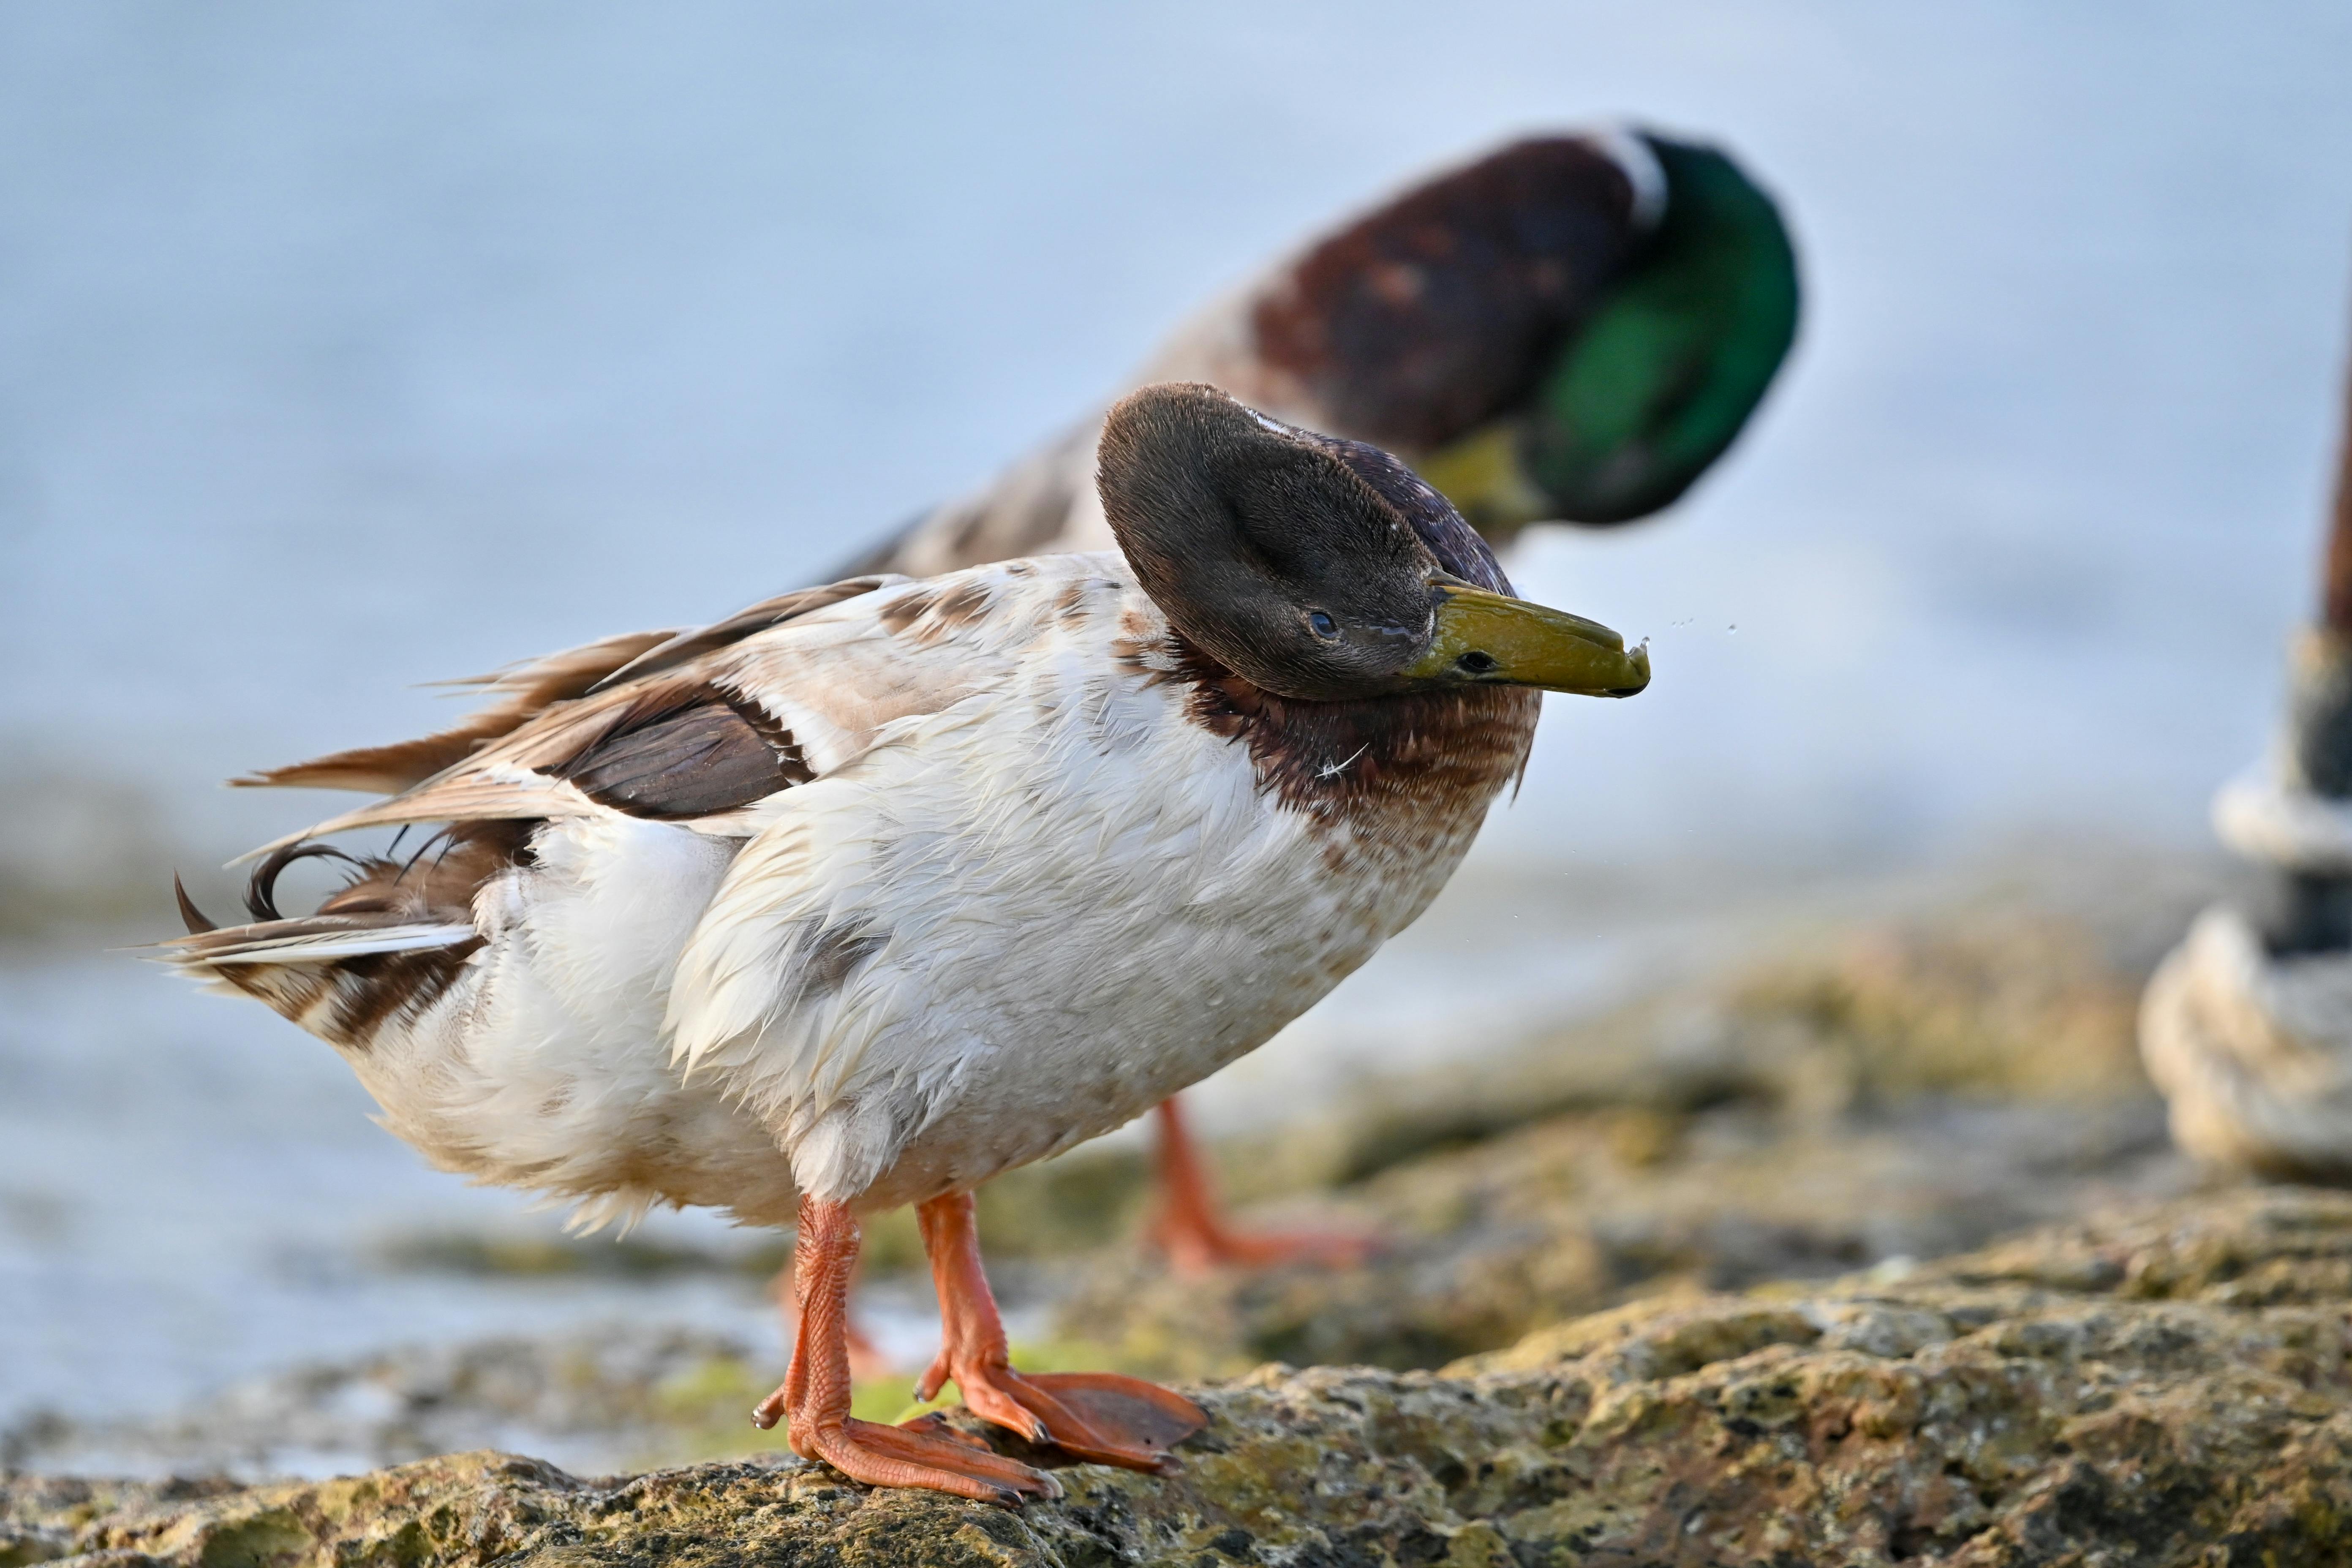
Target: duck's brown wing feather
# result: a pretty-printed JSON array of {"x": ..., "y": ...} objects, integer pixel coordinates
[
  {"x": 521, "y": 692},
  {"x": 692, "y": 726},
  {"x": 518, "y": 693}
]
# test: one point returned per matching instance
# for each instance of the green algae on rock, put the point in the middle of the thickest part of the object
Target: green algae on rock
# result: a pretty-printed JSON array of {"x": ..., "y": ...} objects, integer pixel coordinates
[{"x": 2172, "y": 1386}]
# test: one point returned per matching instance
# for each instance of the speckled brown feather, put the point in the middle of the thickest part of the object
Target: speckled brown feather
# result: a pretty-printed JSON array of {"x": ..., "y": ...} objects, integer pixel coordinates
[
  {"x": 677, "y": 648},
  {"x": 529, "y": 689},
  {"x": 521, "y": 692}
]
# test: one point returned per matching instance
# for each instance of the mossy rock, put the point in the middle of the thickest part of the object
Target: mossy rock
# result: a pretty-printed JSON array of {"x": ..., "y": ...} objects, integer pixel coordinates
[
  {"x": 1908, "y": 1089},
  {"x": 2105, "y": 1393}
]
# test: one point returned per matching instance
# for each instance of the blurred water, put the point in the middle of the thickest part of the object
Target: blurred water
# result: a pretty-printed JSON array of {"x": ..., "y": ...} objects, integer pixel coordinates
[
  {"x": 341, "y": 350},
  {"x": 345, "y": 348},
  {"x": 189, "y": 1194}
]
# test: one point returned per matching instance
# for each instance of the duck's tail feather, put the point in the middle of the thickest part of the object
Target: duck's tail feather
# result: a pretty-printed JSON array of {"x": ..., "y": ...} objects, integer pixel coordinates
[
  {"x": 316, "y": 938},
  {"x": 381, "y": 949}
]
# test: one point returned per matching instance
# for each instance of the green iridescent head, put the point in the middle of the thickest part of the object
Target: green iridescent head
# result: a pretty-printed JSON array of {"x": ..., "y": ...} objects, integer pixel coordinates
[{"x": 1652, "y": 386}]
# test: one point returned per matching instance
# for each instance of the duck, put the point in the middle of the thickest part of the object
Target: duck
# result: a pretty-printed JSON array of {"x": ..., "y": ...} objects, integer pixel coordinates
[
  {"x": 870, "y": 892},
  {"x": 1568, "y": 328}
]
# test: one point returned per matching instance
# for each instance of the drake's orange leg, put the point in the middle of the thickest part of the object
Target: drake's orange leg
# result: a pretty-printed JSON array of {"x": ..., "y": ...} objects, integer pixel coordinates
[
  {"x": 1191, "y": 1227},
  {"x": 813, "y": 1402},
  {"x": 1097, "y": 1415},
  {"x": 867, "y": 1361}
]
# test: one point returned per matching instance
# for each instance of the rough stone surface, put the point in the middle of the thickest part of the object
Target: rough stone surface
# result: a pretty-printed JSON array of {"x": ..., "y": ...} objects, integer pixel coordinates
[
  {"x": 1909, "y": 1091},
  {"x": 2172, "y": 1384}
]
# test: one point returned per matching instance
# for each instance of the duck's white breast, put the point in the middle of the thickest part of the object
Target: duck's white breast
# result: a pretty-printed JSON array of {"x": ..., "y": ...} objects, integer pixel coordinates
[{"x": 1030, "y": 919}]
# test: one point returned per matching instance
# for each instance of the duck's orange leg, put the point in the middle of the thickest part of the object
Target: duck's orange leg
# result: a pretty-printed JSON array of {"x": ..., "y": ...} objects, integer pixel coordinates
[
  {"x": 867, "y": 1361},
  {"x": 1097, "y": 1415},
  {"x": 1191, "y": 1227},
  {"x": 813, "y": 1402}
]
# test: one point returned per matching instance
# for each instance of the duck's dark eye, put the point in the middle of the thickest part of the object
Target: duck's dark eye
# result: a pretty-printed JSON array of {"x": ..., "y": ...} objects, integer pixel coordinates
[
  {"x": 1325, "y": 626},
  {"x": 1476, "y": 663}
]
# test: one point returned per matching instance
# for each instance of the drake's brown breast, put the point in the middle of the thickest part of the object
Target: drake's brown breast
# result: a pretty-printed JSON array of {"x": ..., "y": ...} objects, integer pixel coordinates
[{"x": 1404, "y": 772}]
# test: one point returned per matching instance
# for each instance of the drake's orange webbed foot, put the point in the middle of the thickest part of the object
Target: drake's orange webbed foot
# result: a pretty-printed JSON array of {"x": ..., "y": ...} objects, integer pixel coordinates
[
  {"x": 1097, "y": 1415},
  {"x": 883, "y": 1456},
  {"x": 813, "y": 1402},
  {"x": 1191, "y": 1227}
]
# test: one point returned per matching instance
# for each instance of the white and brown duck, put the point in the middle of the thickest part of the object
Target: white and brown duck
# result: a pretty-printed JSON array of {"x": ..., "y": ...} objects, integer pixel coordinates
[{"x": 875, "y": 891}]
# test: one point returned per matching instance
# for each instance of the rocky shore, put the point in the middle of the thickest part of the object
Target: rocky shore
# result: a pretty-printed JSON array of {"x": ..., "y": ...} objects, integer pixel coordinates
[
  {"x": 1902, "y": 1091},
  {"x": 1868, "y": 1251},
  {"x": 2164, "y": 1384}
]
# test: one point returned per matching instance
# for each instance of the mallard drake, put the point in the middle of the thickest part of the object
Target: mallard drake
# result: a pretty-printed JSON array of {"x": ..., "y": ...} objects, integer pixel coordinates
[
  {"x": 875, "y": 891},
  {"x": 1567, "y": 329},
  {"x": 1570, "y": 328}
]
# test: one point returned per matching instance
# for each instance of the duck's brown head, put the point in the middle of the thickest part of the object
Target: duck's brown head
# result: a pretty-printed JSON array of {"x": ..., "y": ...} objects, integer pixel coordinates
[{"x": 1323, "y": 570}]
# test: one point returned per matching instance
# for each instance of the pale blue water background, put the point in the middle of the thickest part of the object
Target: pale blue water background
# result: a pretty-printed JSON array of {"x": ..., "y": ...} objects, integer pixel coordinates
[{"x": 345, "y": 347}]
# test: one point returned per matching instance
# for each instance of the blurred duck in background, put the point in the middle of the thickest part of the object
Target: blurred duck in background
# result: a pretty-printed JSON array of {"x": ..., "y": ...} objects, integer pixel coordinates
[{"x": 1569, "y": 328}]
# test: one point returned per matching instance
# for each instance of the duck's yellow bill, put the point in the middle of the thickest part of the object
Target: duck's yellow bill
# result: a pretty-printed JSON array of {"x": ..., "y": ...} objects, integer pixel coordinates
[{"x": 1499, "y": 640}]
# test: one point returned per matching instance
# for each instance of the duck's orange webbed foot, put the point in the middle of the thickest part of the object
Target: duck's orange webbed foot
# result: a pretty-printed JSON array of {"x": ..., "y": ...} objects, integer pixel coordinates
[
  {"x": 1097, "y": 1415},
  {"x": 813, "y": 1402},
  {"x": 882, "y": 1456},
  {"x": 1192, "y": 1231}
]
